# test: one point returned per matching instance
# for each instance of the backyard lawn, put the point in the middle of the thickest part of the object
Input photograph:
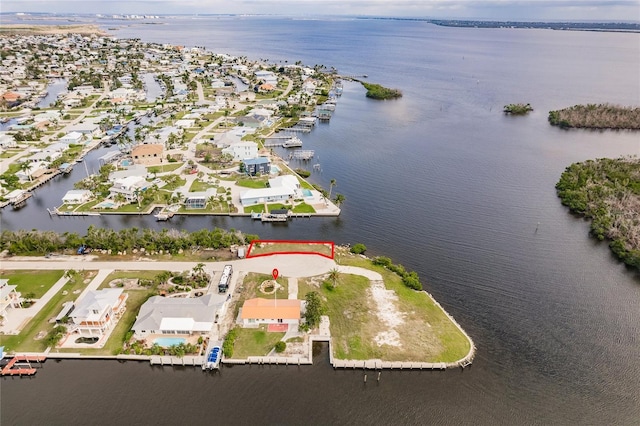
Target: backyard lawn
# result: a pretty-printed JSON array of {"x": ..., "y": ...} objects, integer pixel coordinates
[{"x": 255, "y": 342}]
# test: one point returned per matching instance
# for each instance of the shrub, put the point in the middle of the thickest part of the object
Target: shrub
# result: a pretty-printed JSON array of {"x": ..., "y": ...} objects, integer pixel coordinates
[
  {"x": 229, "y": 341},
  {"x": 280, "y": 346},
  {"x": 382, "y": 261},
  {"x": 358, "y": 248},
  {"x": 412, "y": 281}
]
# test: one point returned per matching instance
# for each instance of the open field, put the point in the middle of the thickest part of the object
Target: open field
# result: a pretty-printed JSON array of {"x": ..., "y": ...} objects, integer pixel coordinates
[
  {"x": 36, "y": 282},
  {"x": 262, "y": 248}
]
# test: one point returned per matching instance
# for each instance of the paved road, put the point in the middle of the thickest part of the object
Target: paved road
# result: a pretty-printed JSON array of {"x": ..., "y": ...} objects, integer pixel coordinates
[{"x": 294, "y": 265}]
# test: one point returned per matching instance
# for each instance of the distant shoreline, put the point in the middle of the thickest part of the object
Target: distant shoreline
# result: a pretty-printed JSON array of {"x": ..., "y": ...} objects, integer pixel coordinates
[{"x": 51, "y": 29}]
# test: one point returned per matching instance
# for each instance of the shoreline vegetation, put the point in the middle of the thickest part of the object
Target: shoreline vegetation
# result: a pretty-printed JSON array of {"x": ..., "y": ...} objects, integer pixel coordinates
[
  {"x": 592, "y": 116},
  {"x": 607, "y": 191},
  {"x": 518, "y": 109},
  {"x": 378, "y": 92}
]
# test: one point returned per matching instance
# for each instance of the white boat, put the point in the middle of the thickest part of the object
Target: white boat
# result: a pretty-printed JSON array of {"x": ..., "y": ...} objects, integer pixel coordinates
[{"x": 294, "y": 142}]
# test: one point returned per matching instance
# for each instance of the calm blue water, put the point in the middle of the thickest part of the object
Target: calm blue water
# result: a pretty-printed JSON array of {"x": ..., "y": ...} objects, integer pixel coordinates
[
  {"x": 441, "y": 181},
  {"x": 166, "y": 342}
]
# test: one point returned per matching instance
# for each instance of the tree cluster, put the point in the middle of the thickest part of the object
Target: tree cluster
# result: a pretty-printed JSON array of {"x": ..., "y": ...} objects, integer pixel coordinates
[
  {"x": 592, "y": 116},
  {"x": 607, "y": 191},
  {"x": 409, "y": 278},
  {"x": 518, "y": 109},
  {"x": 376, "y": 91},
  {"x": 170, "y": 241}
]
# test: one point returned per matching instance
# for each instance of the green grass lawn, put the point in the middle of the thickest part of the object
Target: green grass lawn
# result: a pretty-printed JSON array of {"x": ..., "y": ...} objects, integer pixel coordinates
[
  {"x": 252, "y": 183},
  {"x": 25, "y": 342},
  {"x": 255, "y": 342},
  {"x": 303, "y": 208},
  {"x": 291, "y": 247},
  {"x": 198, "y": 186},
  {"x": 162, "y": 168},
  {"x": 36, "y": 282},
  {"x": 426, "y": 334},
  {"x": 259, "y": 208}
]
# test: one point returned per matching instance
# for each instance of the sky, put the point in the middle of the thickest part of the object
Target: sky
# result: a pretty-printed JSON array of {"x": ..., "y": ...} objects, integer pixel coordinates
[{"x": 521, "y": 10}]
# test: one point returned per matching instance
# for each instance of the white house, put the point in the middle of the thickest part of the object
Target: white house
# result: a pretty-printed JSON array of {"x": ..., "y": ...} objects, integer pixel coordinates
[
  {"x": 129, "y": 187},
  {"x": 57, "y": 147},
  {"x": 9, "y": 297},
  {"x": 72, "y": 138},
  {"x": 281, "y": 189},
  {"x": 241, "y": 150},
  {"x": 168, "y": 315},
  {"x": 89, "y": 129},
  {"x": 270, "y": 311},
  {"x": 77, "y": 196},
  {"x": 98, "y": 311},
  {"x": 7, "y": 141},
  {"x": 267, "y": 76},
  {"x": 185, "y": 123},
  {"x": 44, "y": 157}
]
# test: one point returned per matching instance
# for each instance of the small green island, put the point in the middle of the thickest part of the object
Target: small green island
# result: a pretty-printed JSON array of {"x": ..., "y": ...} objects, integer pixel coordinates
[
  {"x": 518, "y": 109},
  {"x": 592, "y": 116},
  {"x": 607, "y": 191},
  {"x": 376, "y": 91}
]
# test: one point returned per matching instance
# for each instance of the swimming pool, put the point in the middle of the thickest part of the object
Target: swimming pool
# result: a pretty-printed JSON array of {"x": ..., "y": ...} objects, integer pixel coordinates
[
  {"x": 125, "y": 163},
  {"x": 165, "y": 342},
  {"x": 307, "y": 193}
]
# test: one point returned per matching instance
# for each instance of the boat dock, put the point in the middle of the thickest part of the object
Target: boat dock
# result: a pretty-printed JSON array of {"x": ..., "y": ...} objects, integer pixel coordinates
[
  {"x": 302, "y": 154},
  {"x": 214, "y": 354},
  {"x": 20, "y": 365}
]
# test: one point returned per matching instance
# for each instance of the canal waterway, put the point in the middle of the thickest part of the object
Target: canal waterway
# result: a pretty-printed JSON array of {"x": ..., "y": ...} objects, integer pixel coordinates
[{"x": 445, "y": 184}]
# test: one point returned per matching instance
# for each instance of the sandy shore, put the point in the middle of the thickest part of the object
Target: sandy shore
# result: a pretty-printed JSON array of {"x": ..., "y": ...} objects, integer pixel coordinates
[{"x": 51, "y": 29}]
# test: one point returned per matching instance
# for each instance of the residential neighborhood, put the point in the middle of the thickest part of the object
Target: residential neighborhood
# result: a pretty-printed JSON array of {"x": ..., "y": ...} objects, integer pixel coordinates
[{"x": 190, "y": 130}]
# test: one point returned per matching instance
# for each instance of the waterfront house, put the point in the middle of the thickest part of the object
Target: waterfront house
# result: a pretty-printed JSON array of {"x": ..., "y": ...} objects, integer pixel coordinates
[
  {"x": 168, "y": 315},
  {"x": 267, "y": 77},
  {"x": 138, "y": 170},
  {"x": 147, "y": 154},
  {"x": 88, "y": 128},
  {"x": 270, "y": 311},
  {"x": 130, "y": 187},
  {"x": 9, "y": 297},
  {"x": 72, "y": 138},
  {"x": 98, "y": 311},
  {"x": 77, "y": 196},
  {"x": 254, "y": 166},
  {"x": 198, "y": 200},
  {"x": 281, "y": 189},
  {"x": 241, "y": 150}
]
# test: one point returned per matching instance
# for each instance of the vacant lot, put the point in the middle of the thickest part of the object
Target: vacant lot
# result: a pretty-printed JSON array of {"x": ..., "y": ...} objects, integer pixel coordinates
[
  {"x": 390, "y": 322},
  {"x": 35, "y": 282},
  {"x": 255, "y": 342},
  {"x": 260, "y": 248}
]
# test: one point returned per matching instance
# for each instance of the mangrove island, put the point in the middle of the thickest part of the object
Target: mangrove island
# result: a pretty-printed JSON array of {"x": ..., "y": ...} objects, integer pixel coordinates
[{"x": 592, "y": 116}]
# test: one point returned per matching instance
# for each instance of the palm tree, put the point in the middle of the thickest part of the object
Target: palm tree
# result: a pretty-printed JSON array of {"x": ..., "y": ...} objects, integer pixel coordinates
[
  {"x": 25, "y": 167},
  {"x": 339, "y": 199},
  {"x": 332, "y": 183},
  {"x": 198, "y": 269},
  {"x": 334, "y": 274}
]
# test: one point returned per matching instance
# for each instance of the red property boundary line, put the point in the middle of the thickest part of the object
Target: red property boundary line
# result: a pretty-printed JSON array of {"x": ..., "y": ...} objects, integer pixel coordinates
[{"x": 324, "y": 243}]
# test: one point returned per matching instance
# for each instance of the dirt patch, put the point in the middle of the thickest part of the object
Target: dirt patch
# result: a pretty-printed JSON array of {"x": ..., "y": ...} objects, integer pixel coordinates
[
  {"x": 388, "y": 313},
  {"x": 126, "y": 283}
]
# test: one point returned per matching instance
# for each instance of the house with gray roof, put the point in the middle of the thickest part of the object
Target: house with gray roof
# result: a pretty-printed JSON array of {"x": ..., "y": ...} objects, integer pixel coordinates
[{"x": 173, "y": 315}]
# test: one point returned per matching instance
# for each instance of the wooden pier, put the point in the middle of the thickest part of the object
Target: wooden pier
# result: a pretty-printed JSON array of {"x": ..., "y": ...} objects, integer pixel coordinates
[{"x": 20, "y": 365}]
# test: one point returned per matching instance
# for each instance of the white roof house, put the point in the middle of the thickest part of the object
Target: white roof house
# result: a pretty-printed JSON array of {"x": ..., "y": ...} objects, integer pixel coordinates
[
  {"x": 128, "y": 186},
  {"x": 7, "y": 141},
  {"x": 9, "y": 297},
  {"x": 241, "y": 150},
  {"x": 57, "y": 147},
  {"x": 281, "y": 188},
  {"x": 185, "y": 123},
  {"x": 72, "y": 138},
  {"x": 165, "y": 315},
  {"x": 77, "y": 196},
  {"x": 98, "y": 310}
]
